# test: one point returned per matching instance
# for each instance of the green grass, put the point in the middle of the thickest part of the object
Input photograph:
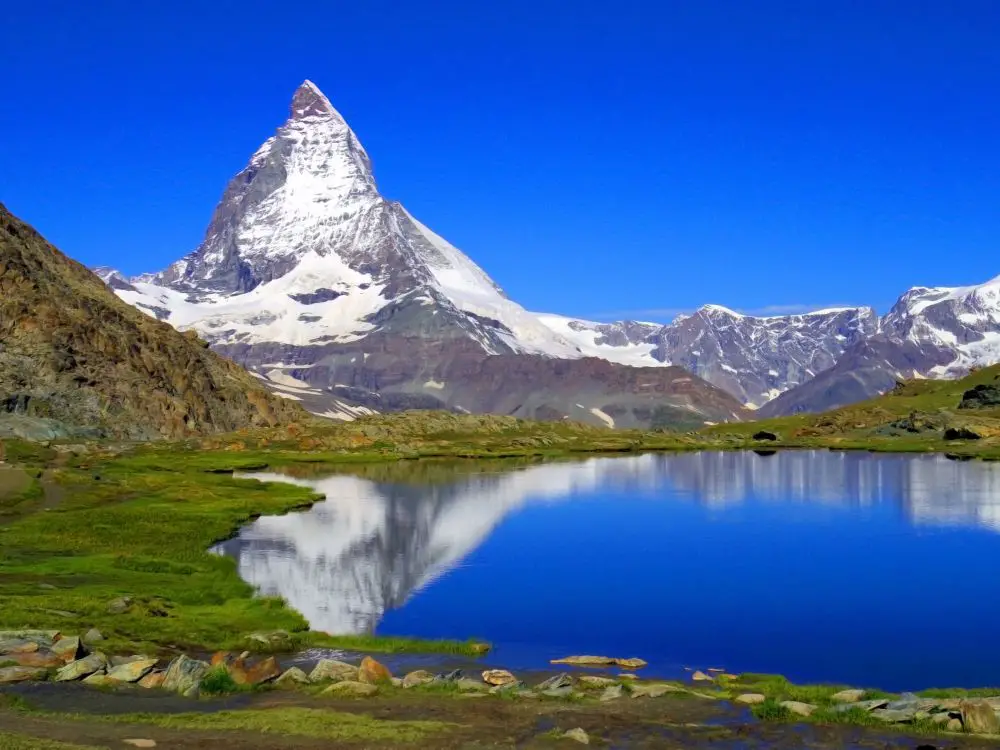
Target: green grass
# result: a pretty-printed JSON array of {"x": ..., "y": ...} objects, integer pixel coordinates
[
  {"x": 218, "y": 681},
  {"x": 304, "y": 722},
  {"x": 13, "y": 741},
  {"x": 944, "y": 693},
  {"x": 778, "y": 687},
  {"x": 771, "y": 710}
]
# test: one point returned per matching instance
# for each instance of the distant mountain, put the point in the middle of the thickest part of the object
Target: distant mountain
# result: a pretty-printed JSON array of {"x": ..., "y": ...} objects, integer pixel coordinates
[
  {"x": 938, "y": 332},
  {"x": 74, "y": 359},
  {"x": 308, "y": 276}
]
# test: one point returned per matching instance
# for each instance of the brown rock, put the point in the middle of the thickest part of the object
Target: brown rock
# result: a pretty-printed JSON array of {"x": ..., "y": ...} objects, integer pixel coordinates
[
  {"x": 751, "y": 699},
  {"x": 418, "y": 677},
  {"x": 372, "y": 672},
  {"x": 848, "y": 696},
  {"x": 498, "y": 677},
  {"x": 69, "y": 648},
  {"x": 17, "y": 646},
  {"x": 979, "y": 718},
  {"x": 593, "y": 681},
  {"x": 601, "y": 661},
  {"x": 132, "y": 671},
  {"x": 263, "y": 671},
  {"x": 152, "y": 680},
  {"x": 700, "y": 676},
  {"x": 44, "y": 659},
  {"x": 9, "y": 675}
]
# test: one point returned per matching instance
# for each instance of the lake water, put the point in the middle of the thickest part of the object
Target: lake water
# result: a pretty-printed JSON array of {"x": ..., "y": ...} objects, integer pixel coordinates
[{"x": 847, "y": 567}]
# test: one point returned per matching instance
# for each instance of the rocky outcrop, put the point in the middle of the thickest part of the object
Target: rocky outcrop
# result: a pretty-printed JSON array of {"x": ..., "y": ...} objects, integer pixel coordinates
[{"x": 77, "y": 360}]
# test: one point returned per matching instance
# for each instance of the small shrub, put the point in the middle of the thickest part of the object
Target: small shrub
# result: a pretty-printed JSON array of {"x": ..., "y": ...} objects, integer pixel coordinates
[
  {"x": 218, "y": 681},
  {"x": 771, "y": 710}
]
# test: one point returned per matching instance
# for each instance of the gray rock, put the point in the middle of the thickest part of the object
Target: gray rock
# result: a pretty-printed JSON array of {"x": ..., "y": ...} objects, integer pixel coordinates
[
  {"x": 351, "y": 687},
  {"x": 895, "y": 715},
  {"x": 119, "y": 606},
  {"x": 93, "y": 636},
  {"x": 9, "y": 675},
  {"x": 452, "y": 676},
  {"x": 184, "y": 675},
  {"x": 417, "y": 677},
  {"x": 333, "y": 671},
  {"x": 274, "y": 640},
  {"x": 612, "y": 692},
  {"x": 848, "y": 696},
  {"x": 751, "y": 699},
  {"x": 799, "y": 708},
  {"x": 132, "y": 671},
  {"x": 44, "y": 638},
  {"x": 577, "y": 735},
  {"x": 291, "y": 677},
  {"x": 77, "y": 670},
  {"x": 68, "y": 649},
  {"x": 18, "y": 646},
  {"x": 558, "y": 692},
  {"x": 466, "y": 685},
  {"x": 559, "y": 681}
]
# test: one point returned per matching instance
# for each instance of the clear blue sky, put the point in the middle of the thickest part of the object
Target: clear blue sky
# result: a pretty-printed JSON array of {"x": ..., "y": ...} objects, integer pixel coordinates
[{"x": 597, "y": 158}]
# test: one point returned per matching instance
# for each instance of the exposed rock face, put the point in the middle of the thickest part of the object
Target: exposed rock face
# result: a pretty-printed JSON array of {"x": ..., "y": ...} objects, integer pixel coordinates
[
  {"x": 340, "y": 298},
  {"x": 75, "y": 357}
]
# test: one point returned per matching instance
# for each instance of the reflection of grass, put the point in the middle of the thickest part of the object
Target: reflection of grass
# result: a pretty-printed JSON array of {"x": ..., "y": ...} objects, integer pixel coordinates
[{"x": 305, "y": 722}]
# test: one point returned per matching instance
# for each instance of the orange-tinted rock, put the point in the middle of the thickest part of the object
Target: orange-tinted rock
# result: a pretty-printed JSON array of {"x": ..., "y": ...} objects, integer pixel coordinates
[
  {"x": 372, "y": 672},
  {"x": 44, "y": 659},
  {"x": 222, "y": 658},
  {"x": 263, "y": 671},
  {"x": 152, "y": 680}
]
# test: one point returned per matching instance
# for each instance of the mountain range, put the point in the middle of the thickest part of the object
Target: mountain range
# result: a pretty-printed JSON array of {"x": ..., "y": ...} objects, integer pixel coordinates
[{"x": 338, "y": 297}]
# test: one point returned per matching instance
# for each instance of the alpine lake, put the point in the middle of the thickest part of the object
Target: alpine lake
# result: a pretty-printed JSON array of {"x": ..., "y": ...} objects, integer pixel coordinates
[{"x": 863, "y": 569}]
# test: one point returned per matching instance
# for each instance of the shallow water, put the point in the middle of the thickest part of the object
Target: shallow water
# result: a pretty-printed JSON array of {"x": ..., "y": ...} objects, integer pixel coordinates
[{"x": 847, "y": 567}]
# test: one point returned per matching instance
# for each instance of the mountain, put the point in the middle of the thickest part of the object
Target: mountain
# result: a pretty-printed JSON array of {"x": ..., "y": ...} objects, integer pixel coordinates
[
  {"x": 753, "y": 358},
  {"x": 940, "y": 332},
  {"x": 74, "y": 359},
  {"x": 308, "y": 275}
]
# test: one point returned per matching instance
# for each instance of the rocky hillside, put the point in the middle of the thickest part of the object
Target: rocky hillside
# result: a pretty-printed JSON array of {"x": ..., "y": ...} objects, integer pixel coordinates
[{"x": 74, "y": 359}]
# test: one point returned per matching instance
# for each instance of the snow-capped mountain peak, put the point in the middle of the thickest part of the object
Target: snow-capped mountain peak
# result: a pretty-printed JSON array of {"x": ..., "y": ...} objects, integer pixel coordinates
[{"x": 309, "y": 101}]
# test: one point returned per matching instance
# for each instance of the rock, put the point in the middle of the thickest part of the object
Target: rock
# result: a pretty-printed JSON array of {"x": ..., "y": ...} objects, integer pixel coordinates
[
  {"x": 132, "y": 671},
  {"x": 81, "y": 668},
  {"x": 764, "y": 435},
  {"x": 17, "y": 646},
  {"x": 257, "y": 674},
  {"x": 373, "y": 672},
  {"x": 848, "y": 696},
  {"x": 799, "y": 708},
  {"x": 117, "y": 661},
  {"x": 69, "y": 648},
  {"x": 626, "y": 676},
  {"x": 895, "y": 715},
  {"x": 99, "y": 679},
  {"x": 653, "y": 690},
  {"x": 871, "y": 705},
  {"x": 418, "y": 677},
  {"x": 184, "y": 675},
  {"x": 979, "y": 718},
  {"x": 10, "y": 675},
  {"x": 577, "y": 735},
  {"x": 275, "y": 640},
  {"x": 961, "y": 433},
  {"x": 700, "y": 676},
  {"x": 119, "y": 606},
  {"x": 595, "y": 682},
  {"x": 751, "y": 699},
  {"x": 497, "y": 677},
  {"x": 954, "y": 725},
  {"x": 601, "y": 661},
  {"x": 351, "y": 687},
  {"x": 455, "y": 674},
  {"x": 44, "y": 638},
  {"x": 397, "y": 681},
  {"x": 140, "y": 742},
  {"x": 611, "y": 693},
  {"x": 152, "y": 680},
  {"x": 561, "y": 680},
  {"x": 507, "y": 687},
  {"x": 291, "y": 677},
  {"x": 466, "y": 685},
  {"x": 333, "y": 670},
  {"x": 983, "y": 396},
  {"x": 93, "y": 636},
  {"x": 942, "y": 718},
  {"x": 45, "y": 659}
]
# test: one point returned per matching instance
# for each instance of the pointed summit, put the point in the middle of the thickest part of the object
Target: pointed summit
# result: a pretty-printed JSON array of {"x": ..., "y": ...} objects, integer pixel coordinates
[{"x": 309, "y": 101}]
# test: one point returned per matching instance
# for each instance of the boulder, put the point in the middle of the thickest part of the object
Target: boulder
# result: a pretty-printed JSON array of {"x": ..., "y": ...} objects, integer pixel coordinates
[
  {"x": 561, "y": 680},
  {"x": 93, "y": 636},
  {"x": 700, "y": 676},
  {"x": 333, "y": 670},
  {"x": 961, "y": 433},
  {"x": 44, "y": 638},
  {"x": 799, "y": 708},
  {"x": 99, "y": 679},
  {"x": 351, "y": 687},
  {"x": 257, "y": 674},
  {"x": 613, "y": 692},
  {"x": 983, "y": 396},
  {"x": 751, "y": 699},
  {"x": 654, "y": 690},
  {"x": 577, "y": 735},
  {"x": 152, "y": 680},
  {"x": 45, "y": 659},
  {"x": 119, "y": 606},
  {"x": 595, "y": 682},
  {"x": 69, "y": 648},
  {"x": 895, "y": 715},
  {"x": 132, "y": 671},
  {"x": 77, "y": 670},
  {"x": 979, "y": 718},
  {"x": 498, "y": 677},
  {"x": 291, "y": 677},
  {"x": 184, "y": 675},
  {"x": 601, "y": 661},
  {"x": 117, "y": 661},
  {"x": 373, "y": 672},
  {"x": 848, "y": 696},
  {"x": 418, "y": 677},
  {"x": 17, "y": 646},
  {"x": 10, "y": 675}
]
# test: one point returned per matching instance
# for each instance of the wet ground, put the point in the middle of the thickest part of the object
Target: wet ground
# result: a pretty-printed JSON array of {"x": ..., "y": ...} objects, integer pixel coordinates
[{"x": 485, "y": 722}]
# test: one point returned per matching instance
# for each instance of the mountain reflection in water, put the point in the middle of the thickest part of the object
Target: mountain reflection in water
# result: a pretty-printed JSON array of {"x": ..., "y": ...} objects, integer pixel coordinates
[{"x": 385, "y": 532}]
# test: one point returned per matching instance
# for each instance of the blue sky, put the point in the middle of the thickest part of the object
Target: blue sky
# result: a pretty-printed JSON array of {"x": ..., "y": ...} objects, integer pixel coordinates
[{"x": 599, "y": 159}]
